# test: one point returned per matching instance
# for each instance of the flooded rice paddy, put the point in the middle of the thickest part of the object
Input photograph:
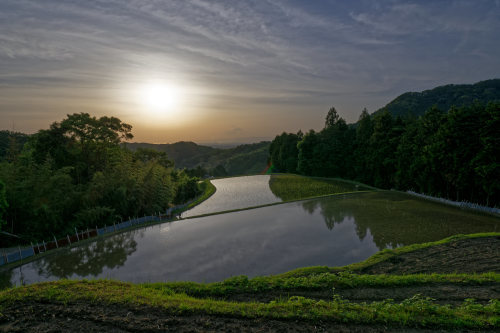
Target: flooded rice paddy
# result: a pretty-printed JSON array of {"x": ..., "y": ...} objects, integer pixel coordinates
[
  {"x": 236, "y": 193},
  {"x": 332, "y": 231}
]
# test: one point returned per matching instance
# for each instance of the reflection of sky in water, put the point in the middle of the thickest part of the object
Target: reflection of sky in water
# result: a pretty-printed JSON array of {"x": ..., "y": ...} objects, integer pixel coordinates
[
  {"x": 236, "y": 193},
  {"x": 253, "y": 242},
  {"x": 331, "y": 231}
]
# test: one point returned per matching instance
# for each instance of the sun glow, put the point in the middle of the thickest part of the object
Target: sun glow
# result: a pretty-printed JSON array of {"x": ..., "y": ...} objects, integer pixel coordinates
[{"x": 161, "y": 99}]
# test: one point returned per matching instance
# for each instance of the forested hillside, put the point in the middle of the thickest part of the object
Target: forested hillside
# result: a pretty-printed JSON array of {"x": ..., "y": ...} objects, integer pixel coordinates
[
  {"x": 240, "y": 160},
  {"x": 453, "y": 153},
  {"x": 443, "y": 97},
  {"x": 76, "y": 174}
]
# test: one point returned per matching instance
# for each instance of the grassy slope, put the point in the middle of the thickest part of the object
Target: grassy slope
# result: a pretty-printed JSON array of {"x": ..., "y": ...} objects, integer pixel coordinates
[
  {"x": 414, "y": 312},
  {"x": 383, "y": 255},
  {"x": 191, "y": 298},
  {"x": 294, "y": 187}
]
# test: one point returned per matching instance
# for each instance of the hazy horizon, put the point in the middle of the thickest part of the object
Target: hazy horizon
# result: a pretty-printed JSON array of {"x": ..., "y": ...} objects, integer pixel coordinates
[{"x": 232, "y": 72}]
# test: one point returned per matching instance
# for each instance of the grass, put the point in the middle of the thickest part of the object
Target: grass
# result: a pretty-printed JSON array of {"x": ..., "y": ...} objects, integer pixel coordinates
[
  {"x": 322, "y": 281},
  {"x": 382, "y": 256},
  {"x": 294, "y": 187},
  {"x": 413, "y": 312},
  {"x": 208, "y": 190}
]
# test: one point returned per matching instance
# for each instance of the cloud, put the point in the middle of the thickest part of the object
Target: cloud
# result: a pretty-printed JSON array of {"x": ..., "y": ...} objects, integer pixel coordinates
[{"x": 269, "y": 56}]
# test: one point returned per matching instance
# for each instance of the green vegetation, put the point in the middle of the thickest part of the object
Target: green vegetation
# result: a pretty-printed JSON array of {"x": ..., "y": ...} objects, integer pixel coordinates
[
  {"x": 11, "y": 143},
  {"x": 207, "y": 189},
  {"x": 77, "y": 175},
  {"x": 453, "y": 155},
  {"x": 387, "y": 254},
  {"x": 3, "y": 203},
  {"x": 383, "y": 255},
  {"x": 416, "y": 311},
  {"x": 319, "y": 281},
  {"x": 444, "y": 97},
  {"x": 201, "y": 160},
  {"x": 294, "y": 187}
]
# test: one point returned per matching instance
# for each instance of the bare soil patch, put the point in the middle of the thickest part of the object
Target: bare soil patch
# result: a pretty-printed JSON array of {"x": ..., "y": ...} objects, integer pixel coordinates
[{"x": 473, "y": 255}]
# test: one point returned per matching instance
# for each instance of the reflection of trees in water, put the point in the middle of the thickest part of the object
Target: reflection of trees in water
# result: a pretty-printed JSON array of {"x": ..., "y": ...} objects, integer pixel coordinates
[
  {"x": 396, "y": 219},
  {"x": 5, "y": 278},
  {"x": 89, "y": 259},
  {"x": 331, "y": 213}
]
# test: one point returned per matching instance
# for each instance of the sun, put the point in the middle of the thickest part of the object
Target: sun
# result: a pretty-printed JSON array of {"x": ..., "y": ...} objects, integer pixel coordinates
[{"x": 161, "y": 99}]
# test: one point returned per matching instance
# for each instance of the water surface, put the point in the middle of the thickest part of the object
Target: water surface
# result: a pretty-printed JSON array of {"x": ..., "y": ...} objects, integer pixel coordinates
[
  {"x": 331, "y": 231},
  {"x": 236, "y": 193}
]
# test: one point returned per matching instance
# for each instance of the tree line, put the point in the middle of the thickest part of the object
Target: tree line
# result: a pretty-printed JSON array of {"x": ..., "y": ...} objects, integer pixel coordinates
[
  {"x": 78, "y": 174},
  {"x": 453, "y": 154}
]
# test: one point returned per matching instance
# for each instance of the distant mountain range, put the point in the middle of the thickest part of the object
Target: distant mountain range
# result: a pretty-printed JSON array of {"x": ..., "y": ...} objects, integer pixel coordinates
[
  {"x": 416, "y": 103},
  {"x": 243, "y": 159},
  {"x": 252, "y": 158}
]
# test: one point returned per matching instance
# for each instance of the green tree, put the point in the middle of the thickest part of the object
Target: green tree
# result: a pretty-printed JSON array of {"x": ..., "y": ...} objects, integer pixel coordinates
[
  {"x": 361, "y": 153},
  {"x": 306, "y": 160},
  {"x": 3, "y": 203},
  {"x": 284, "y": 152},
  {"x": 487, "y": 161},
  {"x": 332, "y": 117},
  {"x": 383, "y": 146}
]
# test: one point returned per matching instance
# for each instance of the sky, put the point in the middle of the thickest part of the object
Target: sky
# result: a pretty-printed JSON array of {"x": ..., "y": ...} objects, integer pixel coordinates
[{"x": 232, "y": 71}]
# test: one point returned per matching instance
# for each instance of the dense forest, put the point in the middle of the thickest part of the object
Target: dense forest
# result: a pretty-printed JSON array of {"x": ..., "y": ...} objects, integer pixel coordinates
[
  {"x": 78, "y": 174},
  {"x": 453, "y": 154},
  {"x": 443, "y": 97},
  {"x": 240, "y": 160}
]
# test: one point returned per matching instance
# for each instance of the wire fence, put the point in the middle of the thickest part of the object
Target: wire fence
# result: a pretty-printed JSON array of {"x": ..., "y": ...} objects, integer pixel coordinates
[
  {"x": 461, "y": 204},
  {"x": 13, "y": 255}
]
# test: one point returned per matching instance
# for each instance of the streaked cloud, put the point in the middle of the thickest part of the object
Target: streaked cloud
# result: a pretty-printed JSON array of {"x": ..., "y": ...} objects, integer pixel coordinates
[{"x": 287, "y": 60}]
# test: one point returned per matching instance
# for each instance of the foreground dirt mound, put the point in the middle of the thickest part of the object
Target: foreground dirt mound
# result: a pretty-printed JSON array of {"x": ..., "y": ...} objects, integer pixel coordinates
[
  {"x": 473, "y": 255},
  {"x": 83, "y": 317}
]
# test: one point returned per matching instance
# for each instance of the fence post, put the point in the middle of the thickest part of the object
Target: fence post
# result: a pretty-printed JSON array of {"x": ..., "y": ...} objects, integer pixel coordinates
[
  {"x": 77, "y": 238},
  {"x": 69, "y": 240},
  {"x": 6, "y": 257},
  {"x": 96, "y": 231},
  {"x": 114, "y": 226},
  {"x": 55, "y": 239},
  {"x": 20, "y": 253},
  {"x": 88, "y": 233},
  {"x": 38, "y": 246},
  {"x": 44, "y": 246},
  {"x": 32, "y": 247}
]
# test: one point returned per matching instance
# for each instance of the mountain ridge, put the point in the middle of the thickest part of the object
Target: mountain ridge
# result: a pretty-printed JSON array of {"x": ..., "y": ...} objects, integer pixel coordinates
[
  {"x": 242, "y": 159},
  {"x": 443, "y": 97}
]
